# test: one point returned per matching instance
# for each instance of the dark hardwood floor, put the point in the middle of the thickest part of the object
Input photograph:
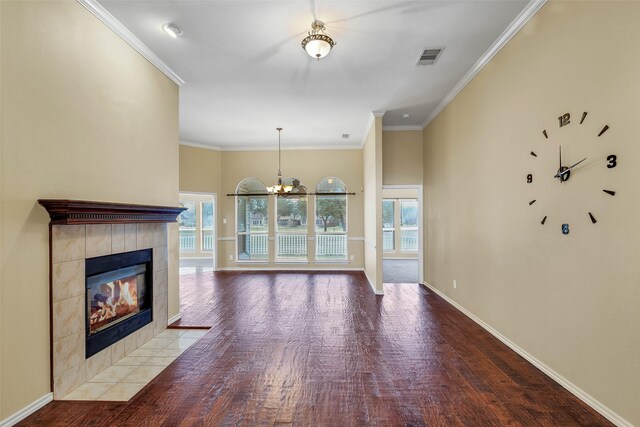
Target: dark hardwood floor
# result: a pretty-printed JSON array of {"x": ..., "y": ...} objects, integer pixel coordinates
[
  {"x": 198, "y": 296},
  {"x": 323, "y": 350}
]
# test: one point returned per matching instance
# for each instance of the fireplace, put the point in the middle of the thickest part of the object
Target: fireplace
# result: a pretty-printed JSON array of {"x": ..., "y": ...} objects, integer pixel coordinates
[{"x": 118, "y": 297}]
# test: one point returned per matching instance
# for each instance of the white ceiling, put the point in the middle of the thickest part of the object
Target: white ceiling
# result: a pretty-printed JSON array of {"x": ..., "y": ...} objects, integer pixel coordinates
[{"x": 246, "y": 73}]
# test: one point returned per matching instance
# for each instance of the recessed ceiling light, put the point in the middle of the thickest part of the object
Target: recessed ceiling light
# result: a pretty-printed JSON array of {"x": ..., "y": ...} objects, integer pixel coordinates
[
  {"x": 406, "y": 116},
  {"x": 173, "y": 30}
]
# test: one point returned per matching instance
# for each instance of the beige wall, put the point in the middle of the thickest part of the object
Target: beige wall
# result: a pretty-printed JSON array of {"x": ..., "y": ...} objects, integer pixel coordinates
[
  {"x": 228, "y": 168},
  {"x": 372, "y": 164},
  {"x": 570, "y": 301},
  {"x": 200, "y": 170},
  {"x": 402, "y": 157},
  {"x": 83, "y": 116}
]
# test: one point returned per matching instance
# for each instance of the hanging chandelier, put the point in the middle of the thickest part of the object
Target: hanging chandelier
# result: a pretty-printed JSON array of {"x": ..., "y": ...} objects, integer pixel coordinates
[
  {"x": 279, "y": 189},
  {"x": 317, "y": 44}
]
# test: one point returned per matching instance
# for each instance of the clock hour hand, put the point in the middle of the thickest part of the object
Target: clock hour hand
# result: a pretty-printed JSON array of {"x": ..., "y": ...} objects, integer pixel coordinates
[{"x": 559, "y": 174}]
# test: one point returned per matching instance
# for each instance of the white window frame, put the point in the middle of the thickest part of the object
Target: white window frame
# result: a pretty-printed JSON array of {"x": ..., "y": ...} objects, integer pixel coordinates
[
  {"x": 394, "y": 228},
  {"x": 322, "y": 233},
  {"x": 278, "y": 233},
  {"x": 244, "y": 233},
  {"x": 416, "y": 228}
]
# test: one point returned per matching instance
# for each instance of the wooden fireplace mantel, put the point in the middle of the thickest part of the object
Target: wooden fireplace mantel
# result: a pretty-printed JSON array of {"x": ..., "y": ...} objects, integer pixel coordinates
[{"x": 71, "y": 212}]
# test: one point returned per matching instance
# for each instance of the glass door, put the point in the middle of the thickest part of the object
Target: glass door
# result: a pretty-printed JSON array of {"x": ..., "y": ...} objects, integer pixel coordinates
[{"x": 197, "y": 226}]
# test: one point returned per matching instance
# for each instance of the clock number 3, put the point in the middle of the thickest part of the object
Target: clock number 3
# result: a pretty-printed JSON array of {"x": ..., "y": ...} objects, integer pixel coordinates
[
  {"x": 529, "y": 179},
  {"x": 612, "y": 159},
  {"x": 564, "y": 119}
]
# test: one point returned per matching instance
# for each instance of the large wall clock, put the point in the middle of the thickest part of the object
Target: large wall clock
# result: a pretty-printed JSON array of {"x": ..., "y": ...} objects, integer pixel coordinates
[{"x": 589, "y": 149}]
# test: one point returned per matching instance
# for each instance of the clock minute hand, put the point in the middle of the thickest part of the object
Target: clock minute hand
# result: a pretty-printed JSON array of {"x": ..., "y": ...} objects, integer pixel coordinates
[
  {"x": 559, "y": 174},
  {"x": 560, "y": 150}
]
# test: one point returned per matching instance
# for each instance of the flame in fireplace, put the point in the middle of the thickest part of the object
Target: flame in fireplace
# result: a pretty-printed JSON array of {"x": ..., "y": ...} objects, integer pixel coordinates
[{"x": 113, "y": 301}]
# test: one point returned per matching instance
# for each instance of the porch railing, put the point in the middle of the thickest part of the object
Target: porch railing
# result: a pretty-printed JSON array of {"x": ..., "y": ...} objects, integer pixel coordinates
[
  {"x": 292, "y": 246},
  {"x": 331, "y": 246},
  {"x": 409, "y": 240},
  {"x": 187, "y": 240},
  {"x": 328, "y": 246}
]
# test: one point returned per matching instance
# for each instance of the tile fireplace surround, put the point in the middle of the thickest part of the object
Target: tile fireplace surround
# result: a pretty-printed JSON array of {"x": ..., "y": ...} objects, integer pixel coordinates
[
  {"x": 73, "y": 240},
  {"x": 71, "y": 245}
]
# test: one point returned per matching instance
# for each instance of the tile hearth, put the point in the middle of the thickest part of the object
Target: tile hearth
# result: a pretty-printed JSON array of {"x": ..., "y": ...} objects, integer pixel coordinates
[{"x": 126, "y": 377}]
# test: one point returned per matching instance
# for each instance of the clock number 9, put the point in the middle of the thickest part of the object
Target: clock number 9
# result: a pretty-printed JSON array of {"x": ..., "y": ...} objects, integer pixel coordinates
[
  {"x": 529, "y": 179},
  {"x": 612, "y": 161}
]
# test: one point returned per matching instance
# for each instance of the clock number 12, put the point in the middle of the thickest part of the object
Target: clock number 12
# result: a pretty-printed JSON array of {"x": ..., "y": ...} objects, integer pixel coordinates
[{"x": 564, "y": 119}]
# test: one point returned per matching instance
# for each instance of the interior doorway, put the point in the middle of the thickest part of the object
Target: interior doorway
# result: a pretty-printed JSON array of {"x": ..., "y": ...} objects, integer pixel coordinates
[
  {"x": 402, "y": 234},
  {"x": 197, "y": 227}
]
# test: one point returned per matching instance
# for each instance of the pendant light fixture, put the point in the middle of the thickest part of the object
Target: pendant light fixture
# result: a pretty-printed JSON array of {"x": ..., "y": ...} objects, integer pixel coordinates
[
  {"x": 279, "y": 189},
  {"x": 317, "y": 44}
]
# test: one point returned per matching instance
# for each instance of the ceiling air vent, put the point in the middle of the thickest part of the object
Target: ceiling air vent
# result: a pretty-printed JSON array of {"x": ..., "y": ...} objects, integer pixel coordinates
[{"x": 429, "y": 56}]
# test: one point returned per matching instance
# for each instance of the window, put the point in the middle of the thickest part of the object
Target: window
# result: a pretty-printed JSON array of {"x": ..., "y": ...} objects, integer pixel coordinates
[
  {"x": 196, "y": 225},
  {"x": 291, "y": 223},
  {"x": 409, "y": 225},
  {"x": 206, "y": 226},
  {"x": 331, "y": 220},
  {"x": 187, "y": 225},
  {"x": 252, "y": 220},
  {"x": 388, "y": 225}
]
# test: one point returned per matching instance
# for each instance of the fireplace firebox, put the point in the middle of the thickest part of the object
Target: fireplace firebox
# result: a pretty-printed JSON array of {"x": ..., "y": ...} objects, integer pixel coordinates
[{"x": 119, "y": 297}]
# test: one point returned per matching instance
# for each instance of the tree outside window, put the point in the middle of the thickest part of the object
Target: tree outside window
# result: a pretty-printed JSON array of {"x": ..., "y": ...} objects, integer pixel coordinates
[
  {"x": 291, "y": 223},
  {"x": 331, "y": 220},
  {"x": 252, "y": 220}
]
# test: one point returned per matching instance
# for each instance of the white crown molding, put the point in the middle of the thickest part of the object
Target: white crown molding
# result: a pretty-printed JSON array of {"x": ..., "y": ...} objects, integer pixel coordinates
[
  {"x": 26, "y": 411},
  {"x": 401, "y": 128},
  {"x": 262, "y": 148},
  {"x": 513, "y": 28},
  {"x": 199, "y": 145},
  {"x": 117, "y": 27},
  {"x": 572, "y": 388},
  {"x": 294, "y": 148},
  {"x": 372, "y": 118}
]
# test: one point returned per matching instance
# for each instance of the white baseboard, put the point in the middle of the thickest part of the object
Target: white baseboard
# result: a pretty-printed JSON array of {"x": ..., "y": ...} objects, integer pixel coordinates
[
  {"x": 371, "y": 283},
  {"x": 174, "y": 319},
  {"x": 307, "y": 269},
  {"x": 26, "y": 411},
  {"x": 572, "y": 388}
]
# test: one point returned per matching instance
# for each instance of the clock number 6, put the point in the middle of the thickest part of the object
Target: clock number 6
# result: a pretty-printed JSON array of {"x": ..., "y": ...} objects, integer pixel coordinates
[
  {"x": 612, "y": 161},
  {"x": 529, "y": 179}
]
